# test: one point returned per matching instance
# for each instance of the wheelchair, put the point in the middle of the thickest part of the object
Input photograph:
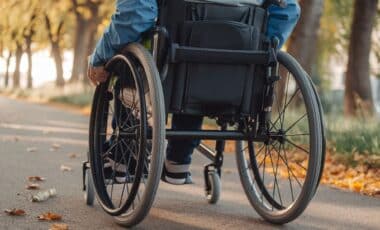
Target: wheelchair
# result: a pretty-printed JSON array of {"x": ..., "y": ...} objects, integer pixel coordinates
[{"x": 207, "y": 58}]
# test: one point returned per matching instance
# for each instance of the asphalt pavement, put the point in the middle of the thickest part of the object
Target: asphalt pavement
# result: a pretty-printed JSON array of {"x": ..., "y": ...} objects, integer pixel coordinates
[{"x": 57, "y": 135}]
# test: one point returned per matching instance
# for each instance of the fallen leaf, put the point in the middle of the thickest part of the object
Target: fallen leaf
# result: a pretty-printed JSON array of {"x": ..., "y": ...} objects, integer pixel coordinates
[
  {"x": 65, "y": 168},
  {"x": 356, "y": 186},
  {"x": 59, "y": 227},
  {"x": 56, "y": 146},
  {"x": 49, "y": 216},
  {"x": 73, "y": 155},
  {"x": 32, "y": 186},
  {"x": 15, "y": 212},
  {"x": 36, "y": 179},
  {"x": 31, "y": 149},
  {"x": 227, "y": 171},
  {"x": 16, "y": 139}
]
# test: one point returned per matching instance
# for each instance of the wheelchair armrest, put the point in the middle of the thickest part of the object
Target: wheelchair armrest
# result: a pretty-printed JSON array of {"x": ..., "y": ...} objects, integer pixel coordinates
[{"x": 217, "y": 56}]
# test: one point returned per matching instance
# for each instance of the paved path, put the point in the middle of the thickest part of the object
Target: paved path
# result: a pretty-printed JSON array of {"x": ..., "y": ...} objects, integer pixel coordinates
[{"x": 24, "y": 125}]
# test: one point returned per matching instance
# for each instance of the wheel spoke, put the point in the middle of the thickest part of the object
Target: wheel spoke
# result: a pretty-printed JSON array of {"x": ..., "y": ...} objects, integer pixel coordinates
[
  {"x": 286, "y": 97},
  {"x": 299, "y": 134},
  {"x": 109, "y": 150},
  {"x": 126, "y": 178},
  {"x": 263, "y": 180},
  {"x": 290, "y": 170},
  {"x": 275, "y": 179},
  {"x": 302, "y": 117},
  {"x": 297, "y": 146},
  {"x": 285, "y": 107},
  {"x": 286, "y": 159}
]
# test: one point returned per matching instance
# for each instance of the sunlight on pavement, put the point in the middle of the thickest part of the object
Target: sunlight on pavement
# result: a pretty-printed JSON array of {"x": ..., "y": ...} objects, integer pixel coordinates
[
  {"x": 43, "y": 139},
  {"x": 45, "y": 129}
]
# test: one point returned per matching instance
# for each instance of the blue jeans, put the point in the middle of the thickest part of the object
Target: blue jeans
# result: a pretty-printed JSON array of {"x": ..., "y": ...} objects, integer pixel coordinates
[{"x": 280, "y": 24}]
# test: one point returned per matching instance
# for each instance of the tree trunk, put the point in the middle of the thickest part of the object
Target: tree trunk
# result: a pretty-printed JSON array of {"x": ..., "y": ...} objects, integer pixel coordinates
[
  {"x": 8, "y": 62},
  {"x": 84, "y": 45},
  {"x": 92, "y": 31},
  {"x": 79, "y": 49},
  {"x": 16, "y": 74},
  {"x": 358, "y": 94},
  {"x": 305, "y": 36},
  {"x": 57, "y": 55},
  {"x": 85, "y": 34},
  {"x": 28, "y": 41}
]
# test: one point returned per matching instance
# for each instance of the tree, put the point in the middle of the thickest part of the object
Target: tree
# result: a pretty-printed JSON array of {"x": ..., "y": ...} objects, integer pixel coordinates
[
  {"x": 306, "y": 34},
  {"x": 54, "y": 36},
  {"x": 87, "y": 20},
  {"x": 8, "y": 61},
  {"x": 16, "y": 73},
  {"x": 29, "y": 33},
  {"x": 358, "y": 93}
]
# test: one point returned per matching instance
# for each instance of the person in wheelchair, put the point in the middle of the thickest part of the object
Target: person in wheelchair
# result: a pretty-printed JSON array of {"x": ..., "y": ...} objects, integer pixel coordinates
[{"x": 131, "y": 19}]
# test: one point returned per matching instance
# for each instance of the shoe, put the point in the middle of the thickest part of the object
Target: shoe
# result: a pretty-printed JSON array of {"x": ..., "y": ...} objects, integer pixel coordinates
[
  {"x": 115, "y": 168},
  {"x": 176, "y": 178}
]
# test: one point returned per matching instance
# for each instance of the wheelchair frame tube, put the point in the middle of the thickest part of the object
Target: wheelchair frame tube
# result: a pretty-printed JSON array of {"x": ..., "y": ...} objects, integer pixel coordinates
[
  {"x": 212, "y": 135},
  {"x": 218, "y": 56}
]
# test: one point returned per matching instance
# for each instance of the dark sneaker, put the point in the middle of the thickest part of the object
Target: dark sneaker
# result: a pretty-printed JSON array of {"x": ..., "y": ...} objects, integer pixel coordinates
[
  {"x": 178, "y": 176},
  {"x": 115, "y": 167},
  {"x": 115, "y": 172}
]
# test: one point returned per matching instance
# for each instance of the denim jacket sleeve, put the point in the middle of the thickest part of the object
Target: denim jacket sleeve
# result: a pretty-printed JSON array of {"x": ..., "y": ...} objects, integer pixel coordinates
[{"x": 132, "y": 17}]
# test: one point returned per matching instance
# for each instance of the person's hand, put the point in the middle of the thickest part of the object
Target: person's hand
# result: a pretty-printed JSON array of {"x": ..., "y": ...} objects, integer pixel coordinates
[{"x": 97, "y": 74}]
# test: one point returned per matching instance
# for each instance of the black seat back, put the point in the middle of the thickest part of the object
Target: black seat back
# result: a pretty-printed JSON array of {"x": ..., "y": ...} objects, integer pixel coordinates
[{"x": 204, "y": 88}]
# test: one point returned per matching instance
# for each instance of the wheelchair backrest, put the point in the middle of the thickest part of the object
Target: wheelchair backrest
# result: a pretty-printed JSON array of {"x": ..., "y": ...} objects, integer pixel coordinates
[{"x": 211, "y": 89}]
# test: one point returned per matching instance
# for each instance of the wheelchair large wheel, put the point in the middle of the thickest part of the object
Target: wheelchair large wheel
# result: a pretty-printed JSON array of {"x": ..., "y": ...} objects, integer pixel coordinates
[
  {"x": 128, "y": 136},
  {"x": 281, "y": 174}
]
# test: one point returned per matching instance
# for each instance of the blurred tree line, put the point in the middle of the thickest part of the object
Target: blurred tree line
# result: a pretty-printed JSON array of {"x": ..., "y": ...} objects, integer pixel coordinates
[
  {"x": 327, "y": 28},
  {"x": 30, "y": 25}
]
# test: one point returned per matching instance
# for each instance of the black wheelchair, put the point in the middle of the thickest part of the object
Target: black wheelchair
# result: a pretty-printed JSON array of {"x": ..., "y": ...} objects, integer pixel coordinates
[{"x": 207, "y": 58}]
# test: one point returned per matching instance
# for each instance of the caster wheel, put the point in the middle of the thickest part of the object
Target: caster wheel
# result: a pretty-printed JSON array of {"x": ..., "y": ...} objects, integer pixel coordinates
[
  {"x": 213, "y": 194},
  {"x": 89, "y": 193}
]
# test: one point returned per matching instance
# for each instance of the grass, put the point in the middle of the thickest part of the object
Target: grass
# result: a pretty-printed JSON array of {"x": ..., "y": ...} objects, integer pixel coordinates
[
  {"x": 354, "y": 141},
  {"x": 78, "y": 99}
]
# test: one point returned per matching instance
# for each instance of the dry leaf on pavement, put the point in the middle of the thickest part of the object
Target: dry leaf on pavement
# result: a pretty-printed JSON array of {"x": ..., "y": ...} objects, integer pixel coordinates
[
  {"x": 49, "y": 216},
  {"x": 31, "y": 149},
  {"x": 73, "y": 155},
  {"x": 15, "y": 212},
  {"x": 36, "y": 179},
  {"x": 65, "y": 168},
  {"x": 59, "y": 227},
  {"x": 32, "y": 186}
]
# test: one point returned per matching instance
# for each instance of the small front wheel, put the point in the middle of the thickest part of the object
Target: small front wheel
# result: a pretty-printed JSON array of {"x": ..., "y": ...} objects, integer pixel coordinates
[
  {"x": 213, "y": 194},
  {"x": 89, "y": 193}
]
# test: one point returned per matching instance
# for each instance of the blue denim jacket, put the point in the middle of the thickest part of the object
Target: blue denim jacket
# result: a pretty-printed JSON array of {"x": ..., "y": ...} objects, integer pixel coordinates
[{"x": 133, "y": 17}]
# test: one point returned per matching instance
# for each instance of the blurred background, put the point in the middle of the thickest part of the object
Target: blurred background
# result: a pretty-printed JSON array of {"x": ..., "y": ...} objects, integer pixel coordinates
[{"x": 44, "y": 47}]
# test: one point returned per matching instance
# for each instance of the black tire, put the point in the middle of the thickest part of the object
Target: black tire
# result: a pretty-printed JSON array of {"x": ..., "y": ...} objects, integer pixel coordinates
[
  {"x": 213, "y": 195},
  {"x": 134, "y": 90},
  {"x": 323, "y": 126},
  {"x": 280, "y": 208},
  {"x": 89, "y": 194}
]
